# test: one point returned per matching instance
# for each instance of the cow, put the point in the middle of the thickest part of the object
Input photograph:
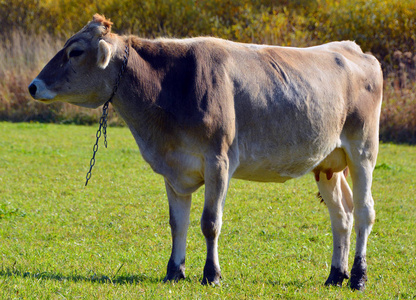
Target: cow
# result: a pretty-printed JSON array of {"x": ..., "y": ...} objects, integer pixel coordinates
[{"x": 204, "y": 110}]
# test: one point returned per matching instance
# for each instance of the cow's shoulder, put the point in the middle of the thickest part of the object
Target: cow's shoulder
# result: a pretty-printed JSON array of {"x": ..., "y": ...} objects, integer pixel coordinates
[{"x": 194, "y": 93}]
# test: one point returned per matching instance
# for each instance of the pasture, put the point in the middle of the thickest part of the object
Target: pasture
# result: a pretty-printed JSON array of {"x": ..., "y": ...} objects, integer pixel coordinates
[{"x": 111, "y": 239}]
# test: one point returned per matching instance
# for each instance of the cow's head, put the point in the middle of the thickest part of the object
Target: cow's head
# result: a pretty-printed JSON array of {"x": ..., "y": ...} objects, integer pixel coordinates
[{"x": 82, "y": 72}]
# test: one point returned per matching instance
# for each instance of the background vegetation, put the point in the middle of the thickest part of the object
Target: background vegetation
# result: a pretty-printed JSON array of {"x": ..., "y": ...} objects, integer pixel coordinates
[
  {"x": 111, "y": 240},
  {"x": 33, "y": 30}
]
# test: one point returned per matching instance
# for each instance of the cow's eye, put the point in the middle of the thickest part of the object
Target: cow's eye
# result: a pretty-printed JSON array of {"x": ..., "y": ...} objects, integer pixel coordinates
[{"x": 75, "y": 53}]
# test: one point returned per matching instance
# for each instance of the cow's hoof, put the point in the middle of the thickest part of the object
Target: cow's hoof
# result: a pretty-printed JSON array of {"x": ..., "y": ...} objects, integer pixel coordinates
[
  {"x": 175, "y": 272},
  {"x": 336, "y": 277},
  {"x": 358, "y": 285},
  {"x": 174, "y": 277},
  {"x": 358, "y": 274},
  {"x": 212, "y": 274},
  {"x": 213, "y": 281}
]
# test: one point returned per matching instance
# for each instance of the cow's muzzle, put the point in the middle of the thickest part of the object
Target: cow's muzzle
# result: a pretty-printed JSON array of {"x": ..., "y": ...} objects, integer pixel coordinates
[{"x": 39, "y": 91}]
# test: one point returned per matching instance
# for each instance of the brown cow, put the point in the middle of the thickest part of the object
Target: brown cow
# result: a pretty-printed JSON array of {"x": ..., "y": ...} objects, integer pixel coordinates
[{"x": 204, "y": 110}]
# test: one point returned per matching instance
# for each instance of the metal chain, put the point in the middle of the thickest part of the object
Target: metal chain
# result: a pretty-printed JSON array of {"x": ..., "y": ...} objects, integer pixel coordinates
[
  {"x": 103, "y": 125},
  {"x": 103, "y": 119}
]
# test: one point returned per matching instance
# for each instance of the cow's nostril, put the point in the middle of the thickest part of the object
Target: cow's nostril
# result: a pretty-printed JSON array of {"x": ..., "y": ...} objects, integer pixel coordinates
[{"x": 32, "y": 89}]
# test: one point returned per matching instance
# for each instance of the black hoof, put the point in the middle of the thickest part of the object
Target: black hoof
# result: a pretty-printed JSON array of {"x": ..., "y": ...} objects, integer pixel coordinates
[
  {"x": 358, "y": 274},
  {"x": 212, "y": 281},
  {"x": 336, "y": 277},
  {"x": 175, "y": 272},
  {"x": 212, "y": 274}
]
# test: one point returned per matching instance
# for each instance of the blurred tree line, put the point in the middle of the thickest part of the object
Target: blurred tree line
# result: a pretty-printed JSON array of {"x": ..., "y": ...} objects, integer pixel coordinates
[{"x": 378, "y": 26}]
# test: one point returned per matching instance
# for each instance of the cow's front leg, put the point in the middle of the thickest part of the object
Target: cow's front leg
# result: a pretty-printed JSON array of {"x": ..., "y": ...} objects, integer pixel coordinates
[
  {"x": 216, "y": 184},
  {"x": 179, "y": 209}
]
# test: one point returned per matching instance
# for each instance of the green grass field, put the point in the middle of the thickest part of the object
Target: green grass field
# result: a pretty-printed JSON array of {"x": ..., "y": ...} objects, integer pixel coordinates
[{"x": 111, "y": 239}]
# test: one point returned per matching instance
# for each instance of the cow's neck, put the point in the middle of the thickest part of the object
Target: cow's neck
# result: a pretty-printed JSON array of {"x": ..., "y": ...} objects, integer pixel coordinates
[{"x": 136, "y": 102}]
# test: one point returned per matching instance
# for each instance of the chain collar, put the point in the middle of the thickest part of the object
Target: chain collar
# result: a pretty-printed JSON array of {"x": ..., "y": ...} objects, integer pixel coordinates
[{"x": 103, "y": 120}]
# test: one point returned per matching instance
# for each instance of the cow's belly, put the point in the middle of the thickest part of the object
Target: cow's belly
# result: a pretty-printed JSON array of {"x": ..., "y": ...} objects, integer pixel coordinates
[
  {"x": 265, "y": 163},
  {"x": 256, "y": 172},
  {"x": 273, "y": 170}
]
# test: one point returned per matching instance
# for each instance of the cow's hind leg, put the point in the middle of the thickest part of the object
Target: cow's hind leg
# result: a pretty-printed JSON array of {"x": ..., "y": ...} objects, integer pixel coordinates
[
  {"x": 216, "y": 185},
  {"x": 338, "y": 198},
  {"x": 179, "y": 210},
  {"x": 364, "y": 214}
]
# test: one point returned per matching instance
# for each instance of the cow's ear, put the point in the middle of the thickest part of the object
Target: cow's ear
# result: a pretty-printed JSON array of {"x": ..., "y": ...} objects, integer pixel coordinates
[{"x": 104, "y": 54}]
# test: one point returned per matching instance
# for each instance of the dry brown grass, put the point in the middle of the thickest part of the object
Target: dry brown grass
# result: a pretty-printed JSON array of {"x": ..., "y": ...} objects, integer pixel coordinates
[
  {"x": 398, "y": 113},
  {"x": 23, "y": 56}
]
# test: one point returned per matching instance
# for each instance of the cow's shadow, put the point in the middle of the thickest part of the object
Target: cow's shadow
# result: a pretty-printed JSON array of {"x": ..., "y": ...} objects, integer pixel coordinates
[{"x": 94, "y": 278}]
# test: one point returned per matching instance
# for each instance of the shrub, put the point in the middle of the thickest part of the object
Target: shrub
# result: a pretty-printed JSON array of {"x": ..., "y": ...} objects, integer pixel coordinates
[{"x": 378, "y": 26}]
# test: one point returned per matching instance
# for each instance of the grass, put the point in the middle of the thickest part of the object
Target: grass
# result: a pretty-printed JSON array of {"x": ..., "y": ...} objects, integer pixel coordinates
[{"x": 111, "y": 239}]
